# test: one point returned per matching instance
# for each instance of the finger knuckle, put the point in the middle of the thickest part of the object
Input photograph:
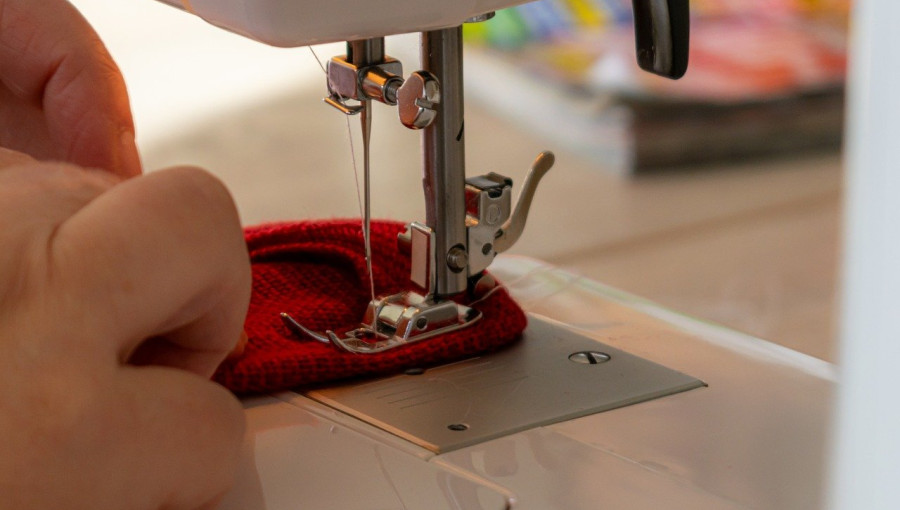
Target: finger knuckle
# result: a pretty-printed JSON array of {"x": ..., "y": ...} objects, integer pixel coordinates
[
  {"x": 207, "y": 193},
  {"x": 217, "y": 222}
]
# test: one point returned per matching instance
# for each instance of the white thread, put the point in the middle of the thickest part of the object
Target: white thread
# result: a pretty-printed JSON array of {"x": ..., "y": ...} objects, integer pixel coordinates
[{"x": 319, "y": 61}]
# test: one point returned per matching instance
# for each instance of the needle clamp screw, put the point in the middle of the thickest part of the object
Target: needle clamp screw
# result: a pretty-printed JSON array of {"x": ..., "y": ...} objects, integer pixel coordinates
[{"x": 417, "y": 100}]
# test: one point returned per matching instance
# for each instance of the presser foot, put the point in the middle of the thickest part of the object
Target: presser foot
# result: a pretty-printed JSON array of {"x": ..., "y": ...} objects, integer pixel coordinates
[{"x": 394, "y": 321}]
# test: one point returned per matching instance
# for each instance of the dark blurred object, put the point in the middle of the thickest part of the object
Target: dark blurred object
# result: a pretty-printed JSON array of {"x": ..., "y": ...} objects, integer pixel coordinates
[
  {"x": 662, "y": 33},
  {"x": 667, "y": 135}
]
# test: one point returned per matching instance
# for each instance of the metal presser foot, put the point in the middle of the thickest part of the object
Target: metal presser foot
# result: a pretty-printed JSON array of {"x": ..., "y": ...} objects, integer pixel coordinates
[
  {"x": 394, "y": 321},
  {"x": 469, "y": 221}
]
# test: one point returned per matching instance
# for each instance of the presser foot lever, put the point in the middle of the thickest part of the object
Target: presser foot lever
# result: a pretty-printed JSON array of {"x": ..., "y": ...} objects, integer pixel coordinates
[{"x": 394, "y": 321}]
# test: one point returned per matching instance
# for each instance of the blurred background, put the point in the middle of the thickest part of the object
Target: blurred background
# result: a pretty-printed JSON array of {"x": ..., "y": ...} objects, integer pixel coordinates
[{"x": 718, "y": 196}]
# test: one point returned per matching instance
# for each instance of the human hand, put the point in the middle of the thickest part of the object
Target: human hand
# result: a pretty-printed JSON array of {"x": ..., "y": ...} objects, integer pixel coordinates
[
  {"x": 61, "y": 95},
  {"x": 118, "y": 299}
]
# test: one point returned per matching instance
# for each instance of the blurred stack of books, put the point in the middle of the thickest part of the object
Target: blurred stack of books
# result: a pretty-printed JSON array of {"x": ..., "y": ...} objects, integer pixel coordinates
[{"x": 765, "y": 78}]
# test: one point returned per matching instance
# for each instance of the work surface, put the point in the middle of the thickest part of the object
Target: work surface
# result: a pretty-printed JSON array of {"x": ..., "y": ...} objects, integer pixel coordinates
[
  {"x": 754, "y": 439},
  {"x": 753, "y": 246}
]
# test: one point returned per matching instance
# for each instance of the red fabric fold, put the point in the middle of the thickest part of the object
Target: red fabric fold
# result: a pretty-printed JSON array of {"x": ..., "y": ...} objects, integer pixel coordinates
[{"x": 316, "y": 272}]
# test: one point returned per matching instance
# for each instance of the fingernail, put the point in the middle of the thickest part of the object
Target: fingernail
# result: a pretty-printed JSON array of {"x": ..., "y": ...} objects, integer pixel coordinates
[
  {"x": 238, "y": 350},
  {"x": 9, "y": 157},
  {"x": 129, "y": 157}
]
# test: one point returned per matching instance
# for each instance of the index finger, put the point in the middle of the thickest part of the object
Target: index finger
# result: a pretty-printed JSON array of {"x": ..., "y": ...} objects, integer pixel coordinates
[{"x": 160, "y": 257}]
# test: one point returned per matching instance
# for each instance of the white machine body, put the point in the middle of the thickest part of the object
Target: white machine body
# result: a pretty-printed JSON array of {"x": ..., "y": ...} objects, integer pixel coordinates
[{"x": 292, "y": 23}]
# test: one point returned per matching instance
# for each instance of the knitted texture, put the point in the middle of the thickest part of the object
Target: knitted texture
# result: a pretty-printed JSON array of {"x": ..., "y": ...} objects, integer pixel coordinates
[{"x": 316, "y": 272}]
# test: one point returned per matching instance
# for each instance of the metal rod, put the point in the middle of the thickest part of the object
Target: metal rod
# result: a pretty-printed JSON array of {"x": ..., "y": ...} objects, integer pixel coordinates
[
  {"x": 366, "y": 119},
  {"x": 365, "y": 53},
  {"x": 444, "y": 161}
]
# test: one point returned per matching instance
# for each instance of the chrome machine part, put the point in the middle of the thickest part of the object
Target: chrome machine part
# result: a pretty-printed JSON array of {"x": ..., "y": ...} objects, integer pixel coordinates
[
  {"x": 444, "y": 159},
  {"x": 417, "y": 100},
  {"x": 514, "y": 227},
  {"x": 460, "y": 215},
  {"x": 368, "y": 56},
  {"x": 481, "y": 17},
  {"x": 488, "y": 206},
  {"x": 467, "y": 222},
  {"x": 302, "y": 331},
  {"x": 364, "y": 73},
  {"x": 536, "y": 382},
  {"x": 493, "y": 226},
  {"x": 393, "y": 321},
  {"x": 438, "y": 249}
]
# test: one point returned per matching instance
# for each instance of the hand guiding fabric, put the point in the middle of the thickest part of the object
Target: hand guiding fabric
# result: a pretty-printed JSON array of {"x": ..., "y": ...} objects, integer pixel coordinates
[{"x": 120, "y": 294}]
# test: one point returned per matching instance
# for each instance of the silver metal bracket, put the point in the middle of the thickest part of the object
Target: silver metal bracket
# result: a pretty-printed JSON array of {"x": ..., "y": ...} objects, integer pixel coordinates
[
  {"x": 393, "y": 321},
  {"x": 349, "y": 81},
  {"x": 488, "y": 207},
  {"x": 492, "y": 225},
  {"x": 380, "y": 78}
]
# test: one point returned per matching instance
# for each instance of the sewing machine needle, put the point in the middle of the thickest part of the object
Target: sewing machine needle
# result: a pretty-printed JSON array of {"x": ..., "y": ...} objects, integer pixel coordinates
[{"x": 366, "y": 119}]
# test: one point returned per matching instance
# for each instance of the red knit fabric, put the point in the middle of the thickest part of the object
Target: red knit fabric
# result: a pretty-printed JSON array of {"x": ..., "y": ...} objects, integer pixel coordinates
[{"x": 316, "y": 272}]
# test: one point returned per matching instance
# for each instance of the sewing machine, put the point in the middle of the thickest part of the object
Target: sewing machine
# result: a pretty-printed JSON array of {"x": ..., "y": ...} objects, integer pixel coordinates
[
  {"x": 468, "y": 222},
  {"x": 532, "y": 426}
]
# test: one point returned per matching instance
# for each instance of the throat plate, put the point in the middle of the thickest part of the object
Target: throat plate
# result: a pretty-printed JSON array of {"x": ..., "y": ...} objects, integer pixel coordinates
[{"x": 551, "y": 375}]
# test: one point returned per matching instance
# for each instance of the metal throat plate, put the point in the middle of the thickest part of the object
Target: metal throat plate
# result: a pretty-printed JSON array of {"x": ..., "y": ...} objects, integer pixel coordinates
[{"x": 535, "y": 382}]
